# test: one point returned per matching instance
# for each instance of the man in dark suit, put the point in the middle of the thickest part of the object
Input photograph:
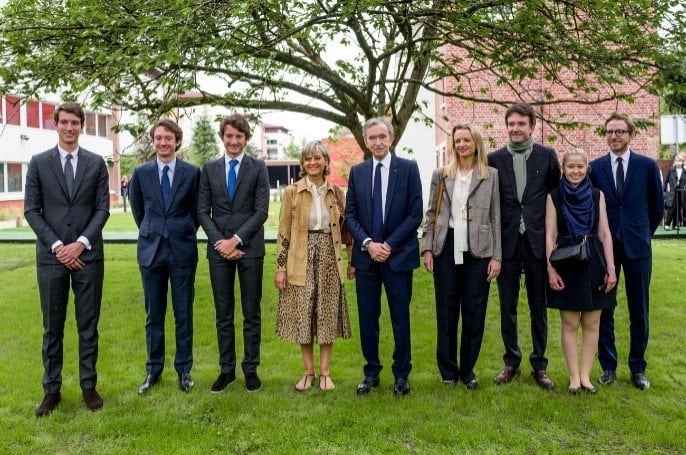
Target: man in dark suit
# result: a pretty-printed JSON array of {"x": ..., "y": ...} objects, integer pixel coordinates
[
  {"x": 674, "y": 187},
  {"x": 66, "y": 204},
  {"x": 527, "y": 172},
  {"x": 163, "y": 196},
  {"x": 232, "y": 207},
  {"x": 635, "y": 206},
  {"x": 383, "y": 211}
]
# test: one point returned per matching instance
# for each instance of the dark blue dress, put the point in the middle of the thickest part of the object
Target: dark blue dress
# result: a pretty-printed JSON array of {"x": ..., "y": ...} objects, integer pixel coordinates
[{"x": 583, "y": 281}]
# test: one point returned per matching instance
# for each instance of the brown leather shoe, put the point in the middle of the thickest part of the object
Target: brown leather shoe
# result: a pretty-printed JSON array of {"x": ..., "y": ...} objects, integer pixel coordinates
[
  {"x": 92, "y": 399},
  {"x": 543, "y": 380},
  {"x": 507, "y": 374},
  {"x": 50, "y": 402}
]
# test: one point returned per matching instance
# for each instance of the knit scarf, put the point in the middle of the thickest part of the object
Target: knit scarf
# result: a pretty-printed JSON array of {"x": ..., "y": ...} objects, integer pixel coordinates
[
  {"x": 520, "y": 153},
  {"x": 577, "y": 207}
]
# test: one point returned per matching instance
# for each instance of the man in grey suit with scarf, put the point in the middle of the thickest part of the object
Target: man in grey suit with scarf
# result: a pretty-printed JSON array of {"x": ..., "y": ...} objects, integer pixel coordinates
[
  {"x": 232, "y": 207},
  {"x": 66, "y": 204},
  {"x": 527, "y": 172}
]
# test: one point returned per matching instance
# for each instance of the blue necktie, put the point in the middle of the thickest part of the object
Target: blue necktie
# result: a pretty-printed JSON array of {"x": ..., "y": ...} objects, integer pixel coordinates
[
  {"x": 619, "y": 176},
  {"x": 231, "y": 180},
  {"x": 166, "y": 187},
  {"x": 69, "y": 174},
  {"x": 377, "y": 208}
]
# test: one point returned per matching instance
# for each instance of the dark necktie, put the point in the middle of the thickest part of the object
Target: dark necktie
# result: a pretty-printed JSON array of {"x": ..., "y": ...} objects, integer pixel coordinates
[
  {"x": 166, "y": 187},
  {"x": 69, "y": 174},
  {"x": 377, "y": 208},
  {"x": 619, "y": 176},
  {"x": 231, "y": 180}
]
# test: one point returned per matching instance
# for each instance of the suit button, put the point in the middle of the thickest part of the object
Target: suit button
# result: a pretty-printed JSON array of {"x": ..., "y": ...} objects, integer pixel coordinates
[{"x": 68, "y": 224}]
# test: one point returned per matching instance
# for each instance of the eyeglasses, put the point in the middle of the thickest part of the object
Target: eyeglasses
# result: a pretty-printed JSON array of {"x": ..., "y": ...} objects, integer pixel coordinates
[{"x": 618, "y": 133}]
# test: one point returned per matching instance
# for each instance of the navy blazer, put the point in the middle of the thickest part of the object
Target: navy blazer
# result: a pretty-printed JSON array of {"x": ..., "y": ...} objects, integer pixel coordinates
[
  {"x": 403, "y": 213},
  {"x": 180, "y": 218},
  {"x": 244, "y": 216},
  {"x": 53, "y": 215},
  {"x": 542, "y": 177},
  {"x": 635, "y": 214}
]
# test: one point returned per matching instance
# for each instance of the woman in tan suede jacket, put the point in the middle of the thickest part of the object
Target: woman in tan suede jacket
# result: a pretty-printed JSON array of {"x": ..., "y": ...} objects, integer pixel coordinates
[
  {"x": 309, "y": 268},
  {"x": 461, "y": 247}
]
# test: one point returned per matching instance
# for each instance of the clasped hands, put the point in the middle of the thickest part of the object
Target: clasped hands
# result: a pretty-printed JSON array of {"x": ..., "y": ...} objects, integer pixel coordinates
[
  {"x": 228, "y": 249},
  {"x": 379, "y": 252},
  {"x": 68, "y": 255}
]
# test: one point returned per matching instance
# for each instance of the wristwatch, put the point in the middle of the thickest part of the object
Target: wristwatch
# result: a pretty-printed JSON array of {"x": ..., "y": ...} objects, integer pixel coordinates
[{"x": 366, "y": 243}]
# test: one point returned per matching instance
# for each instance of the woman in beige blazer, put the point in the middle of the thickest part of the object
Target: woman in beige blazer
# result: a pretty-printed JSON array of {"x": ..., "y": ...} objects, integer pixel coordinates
[{"x": 461, "y": 247}]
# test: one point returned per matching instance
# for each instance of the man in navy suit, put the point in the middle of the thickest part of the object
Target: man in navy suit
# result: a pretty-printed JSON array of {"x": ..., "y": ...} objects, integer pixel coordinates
[
  {"x": 232, "y": 207},
  {"x": 527, "y": 172},
  {"x": 163, "y": 196},
  {"x": 383, "y": 211},
  {"x": 635, "y": 206},
  {"x": 67, "y": 204}
]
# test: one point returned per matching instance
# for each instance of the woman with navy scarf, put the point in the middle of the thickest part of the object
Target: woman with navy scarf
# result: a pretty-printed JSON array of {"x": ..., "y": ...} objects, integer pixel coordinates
[{"x": 576, "y": 211}]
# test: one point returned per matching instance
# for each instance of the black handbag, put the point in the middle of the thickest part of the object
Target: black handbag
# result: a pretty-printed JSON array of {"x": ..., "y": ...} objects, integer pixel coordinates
[{"x": 569, "y": 254}]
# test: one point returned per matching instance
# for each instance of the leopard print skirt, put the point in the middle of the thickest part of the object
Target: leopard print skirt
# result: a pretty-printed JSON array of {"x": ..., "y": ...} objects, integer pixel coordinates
[{"x": 319, "y": 308}]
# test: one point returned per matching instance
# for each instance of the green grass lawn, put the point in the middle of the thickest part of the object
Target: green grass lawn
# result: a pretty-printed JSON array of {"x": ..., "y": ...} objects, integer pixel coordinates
[{"x": 513, "y": 418}]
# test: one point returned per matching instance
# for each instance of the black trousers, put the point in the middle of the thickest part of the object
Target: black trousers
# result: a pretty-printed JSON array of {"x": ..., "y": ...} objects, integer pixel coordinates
[
  {"x": 223, "y": 277},
  {"x": 508, "y": 289},
  {"x": 53, "y": 285},
  {"x": 460, "y": 289}
]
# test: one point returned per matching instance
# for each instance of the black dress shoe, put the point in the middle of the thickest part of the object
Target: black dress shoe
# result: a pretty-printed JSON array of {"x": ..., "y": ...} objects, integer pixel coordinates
[
  {"x": 186, "y": 382},
  {"x": 640, "y": 381},
  {"x": 543, "y": 380},
  {"x": 607, "y": 377},
  {"x": 590, "y": 389},
  {"x": 92, "y": 399},
  {"x": 150, "y": 380},
  {"x": 366, "y": 385},
  {"x": 508, "y": 373},
  {"x": 50, "y": 402},
  {"x": 222, "y": 381},
  {"x": 472, "y": 384},
  {"x": 402, "y": 387},
  {"x": 252, "y": 382}
]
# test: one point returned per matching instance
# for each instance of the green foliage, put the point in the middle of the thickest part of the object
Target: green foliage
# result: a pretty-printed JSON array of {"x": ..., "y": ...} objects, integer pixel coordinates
[
  {"x": 513, "y": 418},
  {"x": 349, "y": 60},
  {"x": 294, "y": 150},
  {"x": 127, "y": 163},
  {"x": 203, "y": 146}
]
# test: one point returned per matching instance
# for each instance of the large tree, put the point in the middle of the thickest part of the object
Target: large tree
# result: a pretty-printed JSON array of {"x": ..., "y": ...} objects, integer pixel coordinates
[
  {"x": 343, "y": 61},
  {"x": 203, "y": 146}
]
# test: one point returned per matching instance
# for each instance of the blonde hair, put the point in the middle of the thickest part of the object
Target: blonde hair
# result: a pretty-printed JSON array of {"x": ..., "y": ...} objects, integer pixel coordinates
[
  {"x": 310, "y": 149},
  {"x": 480, "y": 161},
  {"x": 574, "y": 152}
]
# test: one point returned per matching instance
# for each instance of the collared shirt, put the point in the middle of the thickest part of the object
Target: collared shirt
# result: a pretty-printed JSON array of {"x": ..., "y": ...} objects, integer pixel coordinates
[
  {"x": 385, "y": 172},
  {"x": 170, "y": 173},
  {"x": 74, "y": 161},
  {"x": 227, "y": 164},
  {"x": 625, "y": 162},
  {"x": 319, "y": 215}
]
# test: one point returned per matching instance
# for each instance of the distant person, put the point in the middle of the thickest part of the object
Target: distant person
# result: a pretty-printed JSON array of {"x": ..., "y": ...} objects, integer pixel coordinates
[
  {"x": 233, "y": 205},
  {"x": 576, "y": 214},
  {"x": 163, "y": 202},
  {"x": 383, "y": 211},
  {"x": 461, "y": 247},
  {"x": 125, "y": 190},
  {"x": 527, "y": 172},
  {"x": 635, "y": 207},
  {"x": 675, "y": 193},
  {"x": 309, "y": 267},
  {"x": 67, "y": 203}
]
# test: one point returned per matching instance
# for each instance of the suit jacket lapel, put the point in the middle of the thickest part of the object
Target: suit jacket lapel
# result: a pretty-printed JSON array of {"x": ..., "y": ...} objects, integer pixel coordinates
[
  {"x": 449, "y": 187},
  {"x": 246, "y": 164},
  {"x": 56, "y": 163},
  {"x": 219, "y": 171},
  {"x": 80, "y": 170},
  {"x": 179, "y": 173},
  {"x": 154, "y": 176},
  {"x": 367, "y": 186},
  {"x": 390, "y": 190}
]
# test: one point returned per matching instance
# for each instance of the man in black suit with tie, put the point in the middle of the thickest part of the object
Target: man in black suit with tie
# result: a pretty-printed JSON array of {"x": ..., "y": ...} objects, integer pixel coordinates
[
  {"x": 635, "y": 207},
  {"x": 383, "y": 211},
  {"x": 163, "y": 196},
  {"x": 66, "y": 204},
  {"x": 233, "y": 202},
  {"x": 527, "y": 172}
]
